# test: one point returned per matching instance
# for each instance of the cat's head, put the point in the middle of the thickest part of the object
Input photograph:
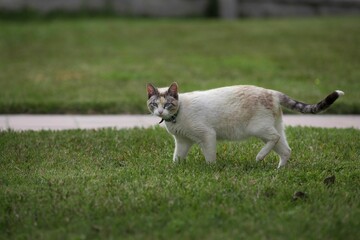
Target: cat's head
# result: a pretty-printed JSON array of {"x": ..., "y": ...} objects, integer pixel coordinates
[{"x": 163, "y": 102}]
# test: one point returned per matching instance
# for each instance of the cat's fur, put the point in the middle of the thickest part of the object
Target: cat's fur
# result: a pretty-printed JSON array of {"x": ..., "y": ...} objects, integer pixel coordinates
[{"x": 228, "y": 113}]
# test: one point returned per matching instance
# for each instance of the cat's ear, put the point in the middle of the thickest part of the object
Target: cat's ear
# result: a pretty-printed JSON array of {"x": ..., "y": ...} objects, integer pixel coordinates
[
  {"x": 151, "y": 90},
  {"x": 173, "y": 91}
]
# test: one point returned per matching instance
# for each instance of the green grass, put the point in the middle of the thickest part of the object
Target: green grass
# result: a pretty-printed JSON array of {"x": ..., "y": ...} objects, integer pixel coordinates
[
  {"x": 112, "y": 184},
  {"x": 101, "y": 65}
]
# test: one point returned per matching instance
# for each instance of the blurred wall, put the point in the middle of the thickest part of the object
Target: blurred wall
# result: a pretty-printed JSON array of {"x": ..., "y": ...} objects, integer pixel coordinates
[
  {"x": 184, "y": 8},
  {"x": 264, "y": 8}
]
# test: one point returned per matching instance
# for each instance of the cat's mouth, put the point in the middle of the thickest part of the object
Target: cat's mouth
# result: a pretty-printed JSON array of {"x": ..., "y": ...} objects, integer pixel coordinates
[{"x": 162, "y": 115}]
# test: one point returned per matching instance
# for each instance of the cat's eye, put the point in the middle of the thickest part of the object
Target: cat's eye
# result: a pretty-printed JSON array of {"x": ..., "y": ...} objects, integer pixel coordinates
[
  {"x": 154, "y": 104},
  {"x": 168, "y": 105}
]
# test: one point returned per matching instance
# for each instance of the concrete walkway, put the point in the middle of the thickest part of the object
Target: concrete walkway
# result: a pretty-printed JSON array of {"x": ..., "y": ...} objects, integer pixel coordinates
[{"x": 64, "y": 122}]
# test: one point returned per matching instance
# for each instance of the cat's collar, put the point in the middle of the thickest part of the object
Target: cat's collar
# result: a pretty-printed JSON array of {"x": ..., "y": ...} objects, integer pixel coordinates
[{"x": 171, "y": 119}]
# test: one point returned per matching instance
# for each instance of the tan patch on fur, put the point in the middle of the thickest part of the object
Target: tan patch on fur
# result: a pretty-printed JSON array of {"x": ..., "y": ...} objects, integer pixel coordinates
[
  {"x": 247, "y": 98},
  {"x": 163, "y": 94},
  {"x": 251, "y": 97},
  {"x": 162, "y": 100},
  {"x": 269, "y": 101},
  {"x": 266, "y": 99}
]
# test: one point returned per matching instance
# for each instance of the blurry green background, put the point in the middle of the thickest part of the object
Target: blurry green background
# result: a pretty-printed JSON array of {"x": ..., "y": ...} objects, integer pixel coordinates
[
  {"x": 101, "y": 65},
  {"x": 108, "y": 184}
]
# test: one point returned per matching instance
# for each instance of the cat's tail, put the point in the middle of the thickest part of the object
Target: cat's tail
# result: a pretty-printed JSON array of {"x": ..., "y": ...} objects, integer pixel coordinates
[{"x": 295, "y": 105}]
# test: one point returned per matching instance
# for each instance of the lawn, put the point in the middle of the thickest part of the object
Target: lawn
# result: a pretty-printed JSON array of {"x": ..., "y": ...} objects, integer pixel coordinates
[
  {"x": 101, "y": 65},
  {"x": 113, "y": 184}
]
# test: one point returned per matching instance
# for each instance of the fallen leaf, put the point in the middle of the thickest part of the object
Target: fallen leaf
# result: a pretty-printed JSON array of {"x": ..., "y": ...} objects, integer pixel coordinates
[
  {"x": 329, "y": 180},
  {"x": 299, "y": 195}
]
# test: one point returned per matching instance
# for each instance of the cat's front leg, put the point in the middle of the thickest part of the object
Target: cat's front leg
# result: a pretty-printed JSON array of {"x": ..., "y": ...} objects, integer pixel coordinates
[{"x": 182, "y": 147}]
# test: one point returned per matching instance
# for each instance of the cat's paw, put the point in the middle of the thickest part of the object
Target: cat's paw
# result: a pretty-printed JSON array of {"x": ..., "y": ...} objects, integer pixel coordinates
[
  {"x": 260, "y": 157},
  {"x": 178, "y": 160}
]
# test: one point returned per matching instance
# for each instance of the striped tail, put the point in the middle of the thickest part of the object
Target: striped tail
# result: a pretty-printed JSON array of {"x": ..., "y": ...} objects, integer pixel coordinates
[{"x": 292, "y": 104}]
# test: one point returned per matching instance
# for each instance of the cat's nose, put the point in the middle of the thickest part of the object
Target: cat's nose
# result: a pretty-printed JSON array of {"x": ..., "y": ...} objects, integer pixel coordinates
[{"x": 160, "y": 111}]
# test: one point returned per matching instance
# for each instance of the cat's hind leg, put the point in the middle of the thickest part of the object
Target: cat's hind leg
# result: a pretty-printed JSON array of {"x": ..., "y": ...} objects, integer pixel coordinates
[
  {"x": 282, "y": 147},
  {"x": 267, "y": 133},
  {"x": 271, "y": 137},
  {"x": 182, "y": 147}
]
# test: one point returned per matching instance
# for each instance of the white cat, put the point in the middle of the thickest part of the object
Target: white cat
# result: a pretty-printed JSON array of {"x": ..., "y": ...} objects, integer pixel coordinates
[{"x": 228, "y": 113}]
